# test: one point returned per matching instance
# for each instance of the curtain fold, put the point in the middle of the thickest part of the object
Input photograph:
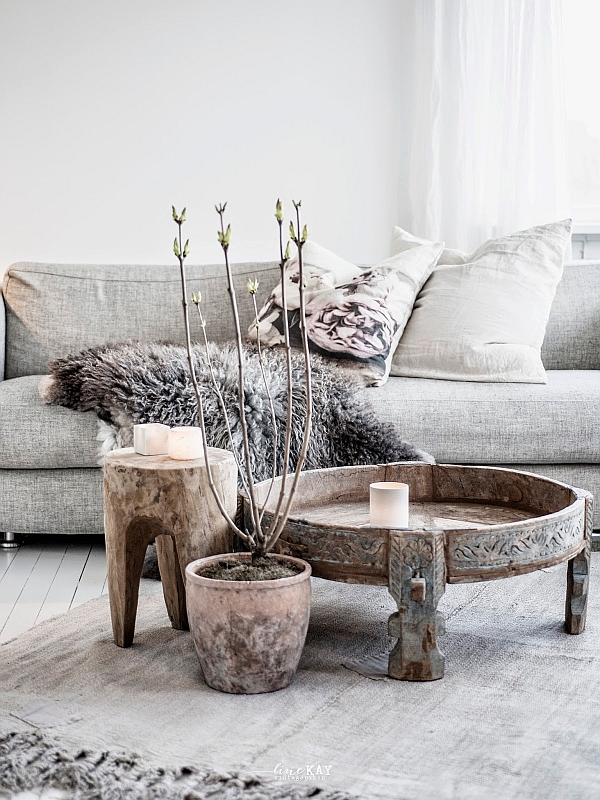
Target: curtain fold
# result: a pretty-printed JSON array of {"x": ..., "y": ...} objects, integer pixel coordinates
[{"x": 488, "y": 144}]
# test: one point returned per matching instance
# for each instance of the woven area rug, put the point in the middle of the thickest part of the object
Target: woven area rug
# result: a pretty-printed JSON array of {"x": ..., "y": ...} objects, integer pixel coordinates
[{"x": 516, "y": 716}]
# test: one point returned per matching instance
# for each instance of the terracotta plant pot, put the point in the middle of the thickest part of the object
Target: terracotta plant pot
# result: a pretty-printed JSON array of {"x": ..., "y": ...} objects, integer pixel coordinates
[{"x": 248, "y": 635}]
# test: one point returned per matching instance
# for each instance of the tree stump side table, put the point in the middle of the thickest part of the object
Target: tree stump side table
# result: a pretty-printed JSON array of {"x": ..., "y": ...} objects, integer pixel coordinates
[{"x": 156, "y": 497}]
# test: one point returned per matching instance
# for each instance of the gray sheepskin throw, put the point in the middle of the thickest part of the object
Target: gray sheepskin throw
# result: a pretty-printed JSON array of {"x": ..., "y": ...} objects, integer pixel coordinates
[
  {"x": 29, "y": 762},
  {"x": 135, "y": 382}
]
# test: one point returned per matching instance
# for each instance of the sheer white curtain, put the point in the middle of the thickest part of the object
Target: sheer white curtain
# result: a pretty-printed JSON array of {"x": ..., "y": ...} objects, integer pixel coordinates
[{"x": 488, "y": 150}]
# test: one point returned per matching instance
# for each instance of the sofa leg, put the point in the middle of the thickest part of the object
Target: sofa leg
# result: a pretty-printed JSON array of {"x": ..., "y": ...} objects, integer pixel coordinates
[{"x": 8, "y": 541}]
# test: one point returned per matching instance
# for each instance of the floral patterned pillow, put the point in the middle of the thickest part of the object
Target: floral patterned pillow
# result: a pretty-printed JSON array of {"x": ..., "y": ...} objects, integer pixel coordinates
[{"x": 353, "y": 314}]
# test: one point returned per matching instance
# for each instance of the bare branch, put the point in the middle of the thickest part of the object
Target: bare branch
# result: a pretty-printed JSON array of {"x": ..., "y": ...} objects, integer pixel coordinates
[
  {"x": 300, "y": 241},
  {"x": 224, "y": 236},
  {"x": 271, "y": 407},
  {"x": 220, "y": 398},
  {"x": 188, "y": 345},
  {"x": 288, "y": 360}
]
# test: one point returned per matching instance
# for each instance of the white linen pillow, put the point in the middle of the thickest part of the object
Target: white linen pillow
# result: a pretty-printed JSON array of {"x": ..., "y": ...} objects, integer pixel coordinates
[
  {"x": 484, "y": 319},
  {"x": 352, "y": 313},
  {"x": 403, "y": 240}
]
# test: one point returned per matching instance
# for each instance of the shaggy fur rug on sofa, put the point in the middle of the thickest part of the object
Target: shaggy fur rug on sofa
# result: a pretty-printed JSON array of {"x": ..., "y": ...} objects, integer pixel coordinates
[{"x": 135, "y": 382}]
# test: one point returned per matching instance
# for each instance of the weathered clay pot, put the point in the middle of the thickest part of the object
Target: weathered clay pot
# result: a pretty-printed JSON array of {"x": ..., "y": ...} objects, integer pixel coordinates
[{"x": 248, "y": 635}]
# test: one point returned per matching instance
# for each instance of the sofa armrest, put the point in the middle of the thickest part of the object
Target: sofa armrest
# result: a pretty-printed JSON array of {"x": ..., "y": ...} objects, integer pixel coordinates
[{"x": 2, "y": 336}]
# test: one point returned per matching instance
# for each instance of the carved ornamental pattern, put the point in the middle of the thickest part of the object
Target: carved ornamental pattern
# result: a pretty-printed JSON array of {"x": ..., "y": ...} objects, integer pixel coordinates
[
  {"x": 412, "y": 554},
  {"x": 492, "y": 550},
  {"x": 338, "y": 548},
  {"x": 417, "y": 554}
]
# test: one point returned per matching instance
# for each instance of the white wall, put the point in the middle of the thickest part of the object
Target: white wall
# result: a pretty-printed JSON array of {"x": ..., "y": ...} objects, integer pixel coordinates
[{"x": 112, "y": 110}]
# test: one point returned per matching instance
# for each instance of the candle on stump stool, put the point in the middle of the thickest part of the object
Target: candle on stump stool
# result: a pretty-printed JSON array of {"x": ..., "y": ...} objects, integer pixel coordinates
[
  {"x": 389, "y": 504},
  {"x": 185, "y": 443},
  {"x": 151, "y": 439}
]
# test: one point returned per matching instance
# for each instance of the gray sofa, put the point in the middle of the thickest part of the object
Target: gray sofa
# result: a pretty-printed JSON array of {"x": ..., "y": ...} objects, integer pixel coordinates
[{"x": 49, "y": 476}]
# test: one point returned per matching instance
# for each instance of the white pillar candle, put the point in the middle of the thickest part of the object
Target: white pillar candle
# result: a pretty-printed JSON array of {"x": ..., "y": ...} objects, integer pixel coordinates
[
  {"x": 151, "y": 439},
  {"x": 185, "y": 443},
  {"x": 389, "y": 504}
]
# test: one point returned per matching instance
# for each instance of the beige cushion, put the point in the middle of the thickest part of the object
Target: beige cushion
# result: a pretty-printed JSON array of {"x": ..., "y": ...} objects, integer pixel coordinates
[{"x": 485, "y": 319}]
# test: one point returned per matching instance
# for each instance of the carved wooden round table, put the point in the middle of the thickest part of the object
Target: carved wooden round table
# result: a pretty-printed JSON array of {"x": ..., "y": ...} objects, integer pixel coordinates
[{"x": 466, "y": 524}]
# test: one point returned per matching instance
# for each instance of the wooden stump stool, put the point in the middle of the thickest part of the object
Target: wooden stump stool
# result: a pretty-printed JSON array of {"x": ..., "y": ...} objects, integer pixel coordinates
[{"x": 156, "y": 497}]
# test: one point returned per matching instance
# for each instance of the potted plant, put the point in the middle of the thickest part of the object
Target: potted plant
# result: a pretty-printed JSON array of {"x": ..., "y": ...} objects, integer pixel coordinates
[{"x": 249, "y": 611}]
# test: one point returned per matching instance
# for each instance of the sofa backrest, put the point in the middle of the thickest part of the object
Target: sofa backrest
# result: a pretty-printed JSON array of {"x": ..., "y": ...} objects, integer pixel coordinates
[
  {"x": 53, "y": 309},
  {"x": 572, "y": 338}
]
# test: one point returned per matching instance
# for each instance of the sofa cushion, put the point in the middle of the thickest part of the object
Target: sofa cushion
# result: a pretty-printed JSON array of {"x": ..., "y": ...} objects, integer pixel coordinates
[
  {"x": 53, "y": 310},
  {"x": 495, "y": 423},
  {"x": 460, "y": 422},
  {"x": 572, "y": 338},
  {"x": 55, "y": 501},
  {"x": 354, "y": 314},
  {"x": 34, "y": 435},
  {"x": 485, "y": 320}
]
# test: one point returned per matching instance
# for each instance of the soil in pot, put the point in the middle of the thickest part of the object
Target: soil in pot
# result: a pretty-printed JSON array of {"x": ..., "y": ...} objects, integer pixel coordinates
[{"x": 260, "y": 569}]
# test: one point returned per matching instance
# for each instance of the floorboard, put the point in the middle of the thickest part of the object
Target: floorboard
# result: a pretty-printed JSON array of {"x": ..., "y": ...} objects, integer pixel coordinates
[
  {"x": 46, "y": 576},
  {"x": 15, "y": 578},
  {"x": 93, "y": 577},
  {"x": 6, "y": 556},
  {"x": 65, "y": 583},
  {"x": 31, "y": 599}
]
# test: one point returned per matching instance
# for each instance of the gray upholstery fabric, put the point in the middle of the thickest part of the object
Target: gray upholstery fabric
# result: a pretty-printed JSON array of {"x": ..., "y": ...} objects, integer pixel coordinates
[
  {"x": 34, "y": 435},
  {"x": 51, "y": 501},
  {"x": 504, "y": 423},
  {"x": 573, "y": 334},
  {"x": 2, "y": 336},
  {"x": 53, "y": 310}
]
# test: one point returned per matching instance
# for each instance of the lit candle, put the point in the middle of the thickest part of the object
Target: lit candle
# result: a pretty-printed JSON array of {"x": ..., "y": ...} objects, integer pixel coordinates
[
  {"x": 389, "y": 504},
  {"x": 151, "y": 439},
  {"x": 185, "y": 443}
]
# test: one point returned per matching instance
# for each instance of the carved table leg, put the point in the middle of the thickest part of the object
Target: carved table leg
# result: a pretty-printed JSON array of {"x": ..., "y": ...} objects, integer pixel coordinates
[
  {"x": 578, "y": 572},
  {"x": 172, "y": 581},
  {"x": 417, "y": 578}
]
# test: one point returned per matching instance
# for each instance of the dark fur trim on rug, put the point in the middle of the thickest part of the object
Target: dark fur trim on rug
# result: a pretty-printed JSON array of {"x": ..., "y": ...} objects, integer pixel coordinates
[
  {"x": 134, "y": 382},
  {"x": 30, "y": 762}
]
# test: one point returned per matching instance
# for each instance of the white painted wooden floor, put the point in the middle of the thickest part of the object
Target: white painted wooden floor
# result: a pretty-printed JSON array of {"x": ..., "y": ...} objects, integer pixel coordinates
[{"x": 48, "y": 576}]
